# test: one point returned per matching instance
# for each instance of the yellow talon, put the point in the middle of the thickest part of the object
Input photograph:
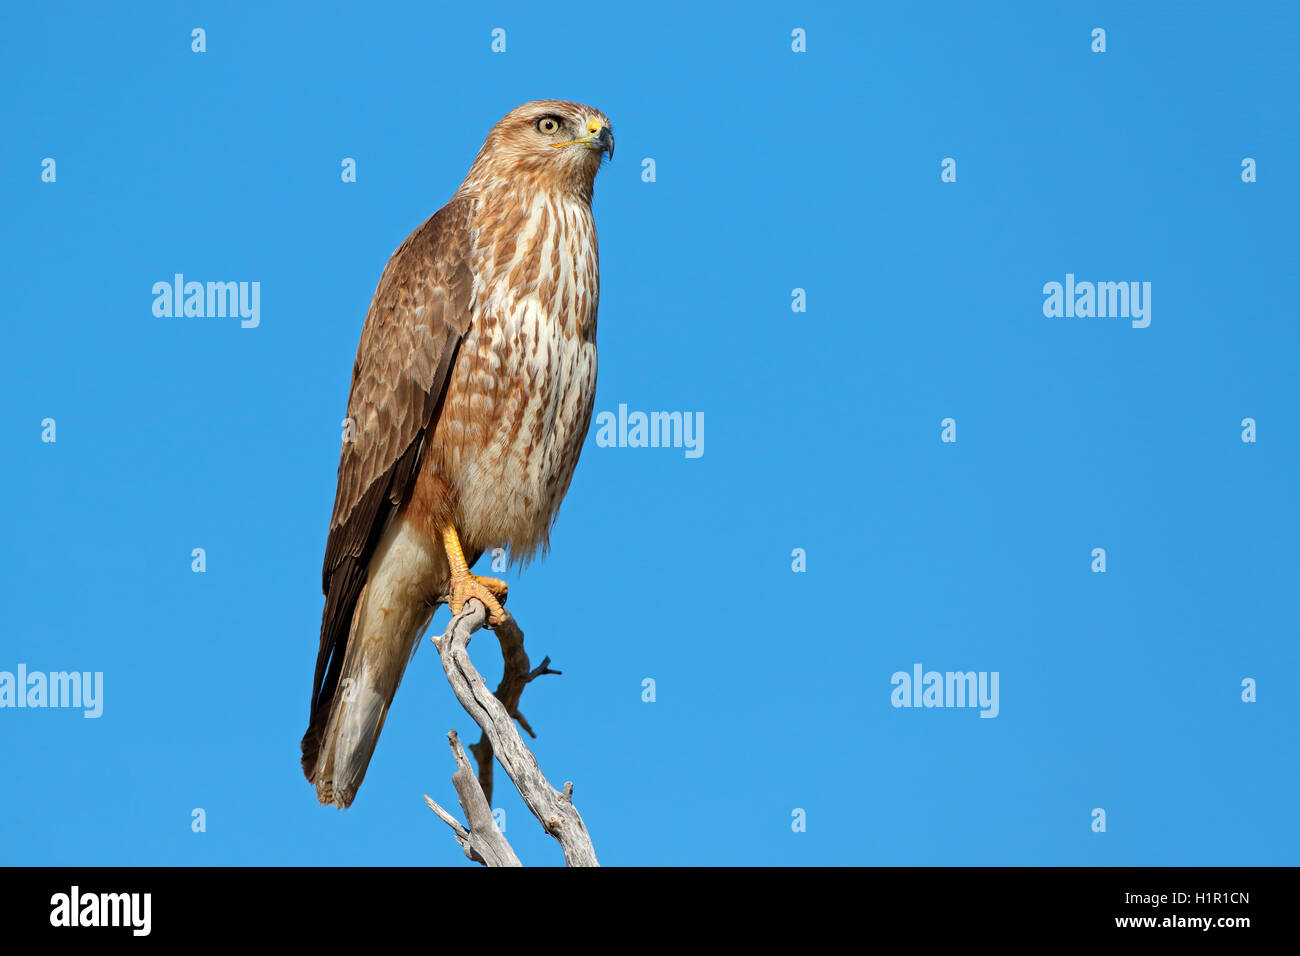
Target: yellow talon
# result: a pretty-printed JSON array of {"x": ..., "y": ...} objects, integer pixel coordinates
[{"x": 464, "y": 585}]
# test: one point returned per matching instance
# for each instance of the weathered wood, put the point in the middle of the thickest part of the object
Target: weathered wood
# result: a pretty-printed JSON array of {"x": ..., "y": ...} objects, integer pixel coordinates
[
  {"x": 482, "y": 841},
  {"x": 514, "y": 679},
  {"x": 496, "y": 715}
]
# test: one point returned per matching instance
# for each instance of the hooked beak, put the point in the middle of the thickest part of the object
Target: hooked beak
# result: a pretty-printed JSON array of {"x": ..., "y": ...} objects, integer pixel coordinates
[{"x": 605, "y": 141}]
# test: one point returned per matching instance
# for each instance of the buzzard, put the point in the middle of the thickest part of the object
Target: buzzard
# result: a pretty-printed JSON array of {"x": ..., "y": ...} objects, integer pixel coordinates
[{"x": 471, "y": 396}]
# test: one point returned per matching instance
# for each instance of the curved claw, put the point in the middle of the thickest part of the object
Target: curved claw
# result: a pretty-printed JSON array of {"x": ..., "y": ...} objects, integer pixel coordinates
[
  {"x": 464, "y": 585},
  {"x": 488, "y": 590}
]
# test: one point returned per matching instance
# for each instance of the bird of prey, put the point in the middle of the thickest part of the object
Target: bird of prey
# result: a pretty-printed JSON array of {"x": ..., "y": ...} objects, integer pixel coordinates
[{"x": 471, "y": 396}]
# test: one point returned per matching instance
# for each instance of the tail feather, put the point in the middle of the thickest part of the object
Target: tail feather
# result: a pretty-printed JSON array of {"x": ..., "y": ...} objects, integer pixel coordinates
[
  {"x": 342, "y": 736},
  {"x": 391, "y": 615}
]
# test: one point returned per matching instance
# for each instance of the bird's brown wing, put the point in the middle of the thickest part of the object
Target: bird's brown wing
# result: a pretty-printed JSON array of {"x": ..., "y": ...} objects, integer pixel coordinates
[{"x": 413, "y": 330}]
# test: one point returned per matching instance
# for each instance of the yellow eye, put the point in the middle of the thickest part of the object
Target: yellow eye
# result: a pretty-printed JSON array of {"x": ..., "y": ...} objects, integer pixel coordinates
[{"x": 548, "y": 125}]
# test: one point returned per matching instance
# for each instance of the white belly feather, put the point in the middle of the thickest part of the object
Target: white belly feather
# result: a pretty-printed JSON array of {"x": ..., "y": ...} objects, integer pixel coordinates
[{"x": 512, "y": 487}]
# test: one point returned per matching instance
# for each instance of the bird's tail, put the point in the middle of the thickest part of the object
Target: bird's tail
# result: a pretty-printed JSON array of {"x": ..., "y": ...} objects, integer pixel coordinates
[{"x": 344, "y": 729}]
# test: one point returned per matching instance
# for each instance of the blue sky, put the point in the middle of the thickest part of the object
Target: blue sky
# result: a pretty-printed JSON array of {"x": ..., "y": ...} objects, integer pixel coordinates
[{"x": 775, "y": 171}]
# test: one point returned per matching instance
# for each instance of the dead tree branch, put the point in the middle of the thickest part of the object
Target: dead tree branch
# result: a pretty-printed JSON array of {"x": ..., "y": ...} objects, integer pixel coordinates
[
  {"x": 496, "y": 715},
  {"x": 514, "y": 679},
  {"x": 483, "y": 842}
]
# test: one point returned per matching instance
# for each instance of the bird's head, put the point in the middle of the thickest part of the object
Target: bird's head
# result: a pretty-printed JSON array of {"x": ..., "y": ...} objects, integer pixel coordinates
[{"x": 549, "y": 144}]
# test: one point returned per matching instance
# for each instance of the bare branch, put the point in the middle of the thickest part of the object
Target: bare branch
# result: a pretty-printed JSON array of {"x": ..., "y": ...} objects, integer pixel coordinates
[
  {"x": 483, "y": 842},
  {"x": 496, "y": 714},
  {"x": 514, "y": 679}
]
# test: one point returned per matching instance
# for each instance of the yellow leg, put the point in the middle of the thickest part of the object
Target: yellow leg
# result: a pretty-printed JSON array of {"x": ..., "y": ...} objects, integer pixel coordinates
[{"x": 465, "y": 585}]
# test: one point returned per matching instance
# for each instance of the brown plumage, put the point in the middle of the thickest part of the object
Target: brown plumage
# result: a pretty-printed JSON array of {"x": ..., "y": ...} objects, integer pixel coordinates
[{"x": 471, "y": 396}]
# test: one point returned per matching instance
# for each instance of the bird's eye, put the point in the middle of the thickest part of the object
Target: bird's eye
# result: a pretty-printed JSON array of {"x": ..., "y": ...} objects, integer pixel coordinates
[{"x": 548, "y": 125}]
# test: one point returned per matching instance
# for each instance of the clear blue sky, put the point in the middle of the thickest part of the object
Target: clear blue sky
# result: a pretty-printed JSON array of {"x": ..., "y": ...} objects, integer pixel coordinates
[{"x": 774, "y": 170}]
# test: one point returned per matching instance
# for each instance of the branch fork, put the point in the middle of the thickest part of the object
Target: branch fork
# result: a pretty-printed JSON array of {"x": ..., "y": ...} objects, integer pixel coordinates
[{"x": 496, "y": 713}]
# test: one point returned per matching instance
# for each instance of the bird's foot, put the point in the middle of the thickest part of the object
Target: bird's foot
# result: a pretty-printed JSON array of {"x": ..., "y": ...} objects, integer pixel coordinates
[
  {"x": 464, "y": 585},
  {"x": 491, "y": 591}
]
